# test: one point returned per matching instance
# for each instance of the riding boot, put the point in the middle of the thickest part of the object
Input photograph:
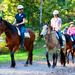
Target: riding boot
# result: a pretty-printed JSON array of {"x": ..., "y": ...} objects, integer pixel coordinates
[
  {"x": 22, "y": 42},
  {"x": 61, "y": 43}
]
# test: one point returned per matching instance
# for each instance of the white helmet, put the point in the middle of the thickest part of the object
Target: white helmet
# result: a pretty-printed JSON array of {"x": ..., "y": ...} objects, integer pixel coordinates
[
  {"x": 55, "y": 12},
  {"x": 20, "y": 7}
]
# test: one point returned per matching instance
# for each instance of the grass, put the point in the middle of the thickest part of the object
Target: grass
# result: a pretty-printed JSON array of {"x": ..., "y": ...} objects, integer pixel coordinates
[{"x": 38, "y": 54}]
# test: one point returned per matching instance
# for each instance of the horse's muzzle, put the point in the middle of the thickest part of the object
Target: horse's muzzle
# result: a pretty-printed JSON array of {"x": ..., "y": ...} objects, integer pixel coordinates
[{"x": 41, "y": 36}]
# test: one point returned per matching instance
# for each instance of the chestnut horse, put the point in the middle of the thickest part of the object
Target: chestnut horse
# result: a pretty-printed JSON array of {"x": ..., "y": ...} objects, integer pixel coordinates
[
  {"x": 13, "y": 41},
  {"x": 70, "y": 45},
  {"x": 69, "y": 48},
  {"x": 52, "y": 45}
]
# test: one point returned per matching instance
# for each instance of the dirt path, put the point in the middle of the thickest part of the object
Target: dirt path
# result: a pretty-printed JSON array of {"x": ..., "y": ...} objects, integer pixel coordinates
[{"x": 38, "y": 68}]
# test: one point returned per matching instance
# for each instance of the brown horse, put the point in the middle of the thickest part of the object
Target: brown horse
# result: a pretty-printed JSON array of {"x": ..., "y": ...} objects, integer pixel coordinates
[
  {"x": 69, "y": 48},
  {"x": 13, "y": 41},
  {"x": 52, "y": 45},
  {"x": 70, "y": 45}
]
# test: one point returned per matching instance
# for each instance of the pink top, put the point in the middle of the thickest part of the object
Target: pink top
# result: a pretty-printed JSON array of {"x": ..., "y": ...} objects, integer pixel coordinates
[
  {"x": 56, "y": 23},
  {"x": 71, "y": 30}
]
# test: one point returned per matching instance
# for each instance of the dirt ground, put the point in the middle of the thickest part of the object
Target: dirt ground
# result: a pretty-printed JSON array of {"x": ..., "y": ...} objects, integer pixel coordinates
[{"x": 38, "y": 68}]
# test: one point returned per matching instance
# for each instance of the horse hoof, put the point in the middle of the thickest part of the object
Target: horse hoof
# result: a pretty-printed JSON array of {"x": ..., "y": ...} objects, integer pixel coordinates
[
  {"x": 49, "y": 65},
  {"x": 64, "y": 65},
  {"x": 67, "y": 62},
  {"x": 26, "y": 65},
  {"x": 12, "y": 66},
  {"x": 53, "y": 66}
]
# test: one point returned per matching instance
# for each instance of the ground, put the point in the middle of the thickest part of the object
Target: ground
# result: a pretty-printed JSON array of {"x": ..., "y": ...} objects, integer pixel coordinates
[{"x": 38, "y": 68}]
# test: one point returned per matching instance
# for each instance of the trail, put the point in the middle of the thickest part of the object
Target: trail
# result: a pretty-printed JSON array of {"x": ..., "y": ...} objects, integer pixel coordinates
[{"x": 38, "y": 68}]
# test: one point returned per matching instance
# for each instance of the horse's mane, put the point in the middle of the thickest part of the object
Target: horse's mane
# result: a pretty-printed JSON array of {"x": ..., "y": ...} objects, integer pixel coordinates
[{"x": 10, "y": 26}]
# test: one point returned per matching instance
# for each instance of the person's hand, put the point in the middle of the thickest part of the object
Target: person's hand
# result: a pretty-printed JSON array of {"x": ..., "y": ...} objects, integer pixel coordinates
[{"x": 17, "y": 24}]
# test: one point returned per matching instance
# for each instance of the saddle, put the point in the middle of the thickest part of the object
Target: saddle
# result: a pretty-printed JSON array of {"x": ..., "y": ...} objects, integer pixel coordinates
[
  {"x": 26, "y": 34},
  {"x": 63, "y": 39}
]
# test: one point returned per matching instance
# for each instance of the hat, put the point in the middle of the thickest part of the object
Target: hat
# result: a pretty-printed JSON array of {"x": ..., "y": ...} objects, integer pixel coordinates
[
  {"x": 55, "y": 12},
  {"x": 20, "y": 7}
]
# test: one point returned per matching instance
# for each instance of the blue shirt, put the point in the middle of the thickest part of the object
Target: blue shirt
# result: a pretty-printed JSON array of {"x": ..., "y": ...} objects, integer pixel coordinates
[{"x": 19, "y": 18}]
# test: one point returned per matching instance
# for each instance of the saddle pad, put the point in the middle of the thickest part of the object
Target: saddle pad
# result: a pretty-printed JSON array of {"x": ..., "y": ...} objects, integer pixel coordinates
[
  {"x": 26, "y": 34},
  {"x": 18, "y": 31}
]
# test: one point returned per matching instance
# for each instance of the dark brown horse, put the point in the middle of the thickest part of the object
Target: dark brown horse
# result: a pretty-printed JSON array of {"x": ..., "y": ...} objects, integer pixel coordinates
[
  {"x": 69, "y": 49},
  {"x": 13, "y": 41}
]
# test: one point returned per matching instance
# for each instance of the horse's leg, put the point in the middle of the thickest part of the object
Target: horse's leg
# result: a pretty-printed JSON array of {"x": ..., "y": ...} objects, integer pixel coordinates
[
  {"x": 12, "y": 56},
  {"x": 30, "y": 56},
  {"x": 29, "y": 59},
  {"x": 12, "y": 59},
  {"x": 67, "y": 57},
  {"x": 26, "y": 64},
  {"x": 72, "y": 53},
  {"x": 62, "y": 58},
  {"x": 47, "y": 57},
  {"x": 54, "y": 59}
]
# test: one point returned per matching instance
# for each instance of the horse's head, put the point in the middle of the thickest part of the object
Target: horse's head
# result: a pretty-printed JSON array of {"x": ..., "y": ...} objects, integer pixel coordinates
[
  {"x": 2, "y": 26},
  {"x": 44, "y": 30}
]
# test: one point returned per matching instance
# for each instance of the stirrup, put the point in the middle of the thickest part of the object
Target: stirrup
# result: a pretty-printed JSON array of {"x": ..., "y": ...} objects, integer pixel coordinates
[{"x": 62, "y": 46}]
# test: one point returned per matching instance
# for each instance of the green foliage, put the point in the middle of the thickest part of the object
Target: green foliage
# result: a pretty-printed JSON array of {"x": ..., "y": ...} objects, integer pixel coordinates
[{"x": 32, "y": 10}]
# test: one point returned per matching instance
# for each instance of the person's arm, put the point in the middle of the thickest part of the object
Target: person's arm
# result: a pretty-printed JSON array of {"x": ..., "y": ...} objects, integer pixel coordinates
[
  {"x": 68, "y": 31},
  {"x": 24, "y": 21},
  {"x": 52, "y": 24},
  {"x": 60, "y": 23},
  {"x": 14, "y": 23}
]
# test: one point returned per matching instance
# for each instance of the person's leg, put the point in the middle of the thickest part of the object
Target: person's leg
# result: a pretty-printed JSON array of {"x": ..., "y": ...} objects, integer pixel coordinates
[
  {"x": 60, "y": 38},
  {"x": 22, "y": 40},
  {"x": 73, "y": 37},
  {"x": 22, "y": 37}
]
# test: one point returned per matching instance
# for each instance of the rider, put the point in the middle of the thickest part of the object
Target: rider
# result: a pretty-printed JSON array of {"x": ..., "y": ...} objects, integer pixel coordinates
[
  {"x": 20, "y": 20},
  {"x": 71, "y": 30},
  {"x": 56, "y": 23},
  {"x": 65, "y": 30}
]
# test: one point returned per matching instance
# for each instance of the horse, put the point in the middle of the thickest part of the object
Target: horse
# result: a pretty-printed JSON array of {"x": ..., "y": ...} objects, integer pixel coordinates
[
  {"x": 69, "y": 48},
  {"x": 13, "y": 41},
  {"x": 52, "y": 45}
]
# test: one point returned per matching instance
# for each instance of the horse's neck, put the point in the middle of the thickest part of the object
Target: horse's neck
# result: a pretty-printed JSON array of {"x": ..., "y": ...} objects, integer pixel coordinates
[
  {"x": 8, "y": 32},
  {"x": 52, "y": 37}
]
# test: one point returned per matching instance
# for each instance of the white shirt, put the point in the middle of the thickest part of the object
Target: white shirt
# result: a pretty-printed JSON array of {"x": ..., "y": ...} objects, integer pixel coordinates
[{"x": 56, "y": 23}]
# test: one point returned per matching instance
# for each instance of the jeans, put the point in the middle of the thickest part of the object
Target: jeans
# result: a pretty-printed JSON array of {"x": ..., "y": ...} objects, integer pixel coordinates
[
  {"x": 60, "y": 37},
  {"x": 22, "y": 31},
  {"x": 73, "y": 36}
]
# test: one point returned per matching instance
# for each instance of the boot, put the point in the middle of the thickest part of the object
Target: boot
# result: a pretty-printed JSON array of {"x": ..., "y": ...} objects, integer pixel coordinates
[
  {"x": 22, "y": 43},
  {"x": 61, "y": 43}
]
